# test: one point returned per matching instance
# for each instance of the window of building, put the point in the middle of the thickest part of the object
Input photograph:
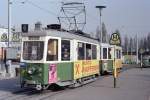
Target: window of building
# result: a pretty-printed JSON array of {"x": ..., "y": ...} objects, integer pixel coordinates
[
  {"x": 88, "y": 52},
  {"x": 94, "y": 52},
  {"x": 81, "y": 51},
  {"x": 104, "y": 53},
  {"x": 65, "y": 50},
  {"x": 52, "y": 51}
]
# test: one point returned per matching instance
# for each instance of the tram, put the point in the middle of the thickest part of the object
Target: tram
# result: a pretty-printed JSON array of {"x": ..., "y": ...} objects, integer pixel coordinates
[
  {"x": 111, "y": 55},
  {"x": 146, "y": 61},
  {"x": 53, "y": 56}
]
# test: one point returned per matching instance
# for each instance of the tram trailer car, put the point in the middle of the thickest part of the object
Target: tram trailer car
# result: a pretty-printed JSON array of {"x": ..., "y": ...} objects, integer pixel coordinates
[
  {"x": 146, "y": 61},
  {"x": 58, "y": 57},
  {"x": 111, "y": 55}
]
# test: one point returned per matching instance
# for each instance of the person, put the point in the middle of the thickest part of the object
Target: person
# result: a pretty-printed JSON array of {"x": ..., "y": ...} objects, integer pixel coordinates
[{"x": 5, "y": 62}]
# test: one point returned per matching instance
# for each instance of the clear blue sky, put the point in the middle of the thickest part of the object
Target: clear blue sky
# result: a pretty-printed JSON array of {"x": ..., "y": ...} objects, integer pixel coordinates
[{"x": 129, "y": 16}]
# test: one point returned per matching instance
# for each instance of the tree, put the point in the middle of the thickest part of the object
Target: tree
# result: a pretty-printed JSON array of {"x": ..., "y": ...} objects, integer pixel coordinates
[
  {"x": 141, "y": 43},
  {"x": 118, "y": 32},
  {"x": 131, "y": 45},
  {"x": 145, "y": 44},
  {"x": 98, "y": 33},
  {"x": 126, "y": 44},
  {"x": 148, "y": 41},
  {"x": 104, "y": 34},
  {"x": 134, "y": 44}
]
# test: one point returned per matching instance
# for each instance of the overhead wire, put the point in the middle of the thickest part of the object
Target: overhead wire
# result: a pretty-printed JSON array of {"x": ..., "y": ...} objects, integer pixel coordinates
[
  {"x": 54, "y": 14},
  {"x": 42, "y": 9}
]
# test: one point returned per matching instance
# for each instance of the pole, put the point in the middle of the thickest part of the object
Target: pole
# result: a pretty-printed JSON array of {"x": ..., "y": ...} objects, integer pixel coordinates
[
  {"x": 141, "y": 61},
  {"x": 9, "y": 21},
  {"x": 100, "y": 25},
  {"x": 114, "y": 69},
  {"x": 100, "y": 9},
  {"x": 137, "y": 52}
]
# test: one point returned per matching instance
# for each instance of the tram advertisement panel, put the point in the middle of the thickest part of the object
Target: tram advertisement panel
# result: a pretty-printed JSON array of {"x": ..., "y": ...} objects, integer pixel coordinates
[
  {"x": 52, "y": 73},
  {"x": 85, "y": 68},
  {"x": 90, "y": 67}
]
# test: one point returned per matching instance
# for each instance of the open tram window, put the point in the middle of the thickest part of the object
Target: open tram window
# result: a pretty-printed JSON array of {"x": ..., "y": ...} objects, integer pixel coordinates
[
  {"x": 88, "y": 52},
  {"x": 104, "y": 53},
  {"x": 94, "y": 52},
  {"x": 81, "y": 51},
  {"x": 33, "y": 50},
  {"x": 65, "y": 50},
  {"x": 52, "y": 51}
]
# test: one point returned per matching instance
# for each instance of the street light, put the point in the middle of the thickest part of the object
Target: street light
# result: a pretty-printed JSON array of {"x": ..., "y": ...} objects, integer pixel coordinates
[
  {"x": 9, "y": 20},
  {"x": 100, "y": 9}
]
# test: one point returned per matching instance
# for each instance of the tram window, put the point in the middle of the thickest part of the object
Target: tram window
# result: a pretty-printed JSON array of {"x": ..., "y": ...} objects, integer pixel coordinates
[
  {"x": 81, "y": 51},
  {"x": 104, "y": 53},
  {"x": 94, "y": 52},
  {"x": 119, "y": 54},
  {"x": 65, "y": 50},
  {"x": 52, "y": 52},
  {"x": 109, "y": 53},
  {"x": 88, "y": 52},
  {"x": 33, "y": 50}
]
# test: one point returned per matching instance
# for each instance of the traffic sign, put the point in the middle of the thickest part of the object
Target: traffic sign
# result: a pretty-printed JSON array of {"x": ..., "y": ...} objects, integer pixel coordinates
[
  {"x": 141, "y": 50},
  {"x": 115, "y": 39},
  {"x": 4, "y": 37}
]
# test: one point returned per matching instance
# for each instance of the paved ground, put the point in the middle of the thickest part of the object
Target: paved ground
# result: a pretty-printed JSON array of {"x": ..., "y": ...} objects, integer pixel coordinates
[{"x": 132, "y": 84}]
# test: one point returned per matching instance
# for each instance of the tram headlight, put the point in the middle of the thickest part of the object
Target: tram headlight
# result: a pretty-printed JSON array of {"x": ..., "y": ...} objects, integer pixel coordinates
[{"x": 31, "y": 70}]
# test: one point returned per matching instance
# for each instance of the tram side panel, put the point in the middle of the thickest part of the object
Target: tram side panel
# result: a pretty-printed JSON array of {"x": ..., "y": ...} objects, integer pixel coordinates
[{"x": 118, "y": 57}]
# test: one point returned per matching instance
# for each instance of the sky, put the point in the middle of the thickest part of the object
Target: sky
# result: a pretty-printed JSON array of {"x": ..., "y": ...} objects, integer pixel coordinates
[{"x": 130, "y": 17}]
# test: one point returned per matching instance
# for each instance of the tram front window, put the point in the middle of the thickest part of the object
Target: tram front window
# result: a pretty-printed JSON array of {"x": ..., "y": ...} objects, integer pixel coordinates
[{"x": 33, "y": 50}]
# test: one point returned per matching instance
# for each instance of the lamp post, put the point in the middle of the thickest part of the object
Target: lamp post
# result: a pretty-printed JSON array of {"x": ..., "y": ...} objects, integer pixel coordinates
[
  {"x": 100, "y": 10},
  {"x": 137, "y": 49},
  {"x": 9, "y": 20}
]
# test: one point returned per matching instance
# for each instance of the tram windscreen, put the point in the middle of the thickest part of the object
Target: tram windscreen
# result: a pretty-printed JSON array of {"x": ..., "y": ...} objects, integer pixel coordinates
[{"x": 33, "y": 50}]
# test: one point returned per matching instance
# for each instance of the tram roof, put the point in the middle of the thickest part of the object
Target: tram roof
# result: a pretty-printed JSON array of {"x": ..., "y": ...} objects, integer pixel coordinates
[{"x": 62, "y": 34}]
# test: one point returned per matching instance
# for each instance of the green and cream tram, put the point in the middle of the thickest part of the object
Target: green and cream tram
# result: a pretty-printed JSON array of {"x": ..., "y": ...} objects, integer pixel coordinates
[
  {"x": 111, "y": 56},
  {"x": 64, "y": 58}
]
